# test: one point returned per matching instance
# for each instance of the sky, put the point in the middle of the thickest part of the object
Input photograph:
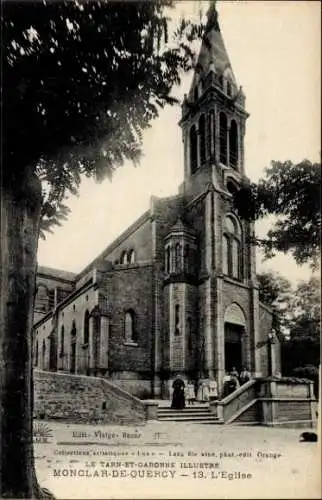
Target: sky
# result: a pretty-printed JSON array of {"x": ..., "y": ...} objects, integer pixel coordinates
[{"x": 274, "y": 49}]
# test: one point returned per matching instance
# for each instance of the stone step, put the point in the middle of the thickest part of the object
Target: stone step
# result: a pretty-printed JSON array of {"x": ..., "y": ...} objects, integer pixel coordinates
[
  {"x": 199, "y": 413},
  {"x": 179, "y": 414},
  {"x": 190, "y": 418},
  {"x": 187, "y": 408}
]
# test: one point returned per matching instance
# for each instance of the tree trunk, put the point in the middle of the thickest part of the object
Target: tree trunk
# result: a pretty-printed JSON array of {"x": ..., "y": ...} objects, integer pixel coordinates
[{"x": 20, "y": 215}]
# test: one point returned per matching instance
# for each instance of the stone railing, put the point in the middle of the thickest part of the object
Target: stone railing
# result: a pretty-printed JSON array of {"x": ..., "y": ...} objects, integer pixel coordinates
[
  {"x": 280, "y": 401},
  {"x": 231, "y": 405},
  {"x": 81, "y": 398}
]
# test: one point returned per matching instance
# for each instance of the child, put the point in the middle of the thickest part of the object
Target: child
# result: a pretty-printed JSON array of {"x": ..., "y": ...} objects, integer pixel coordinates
[
  {"x": 213, "y": 392},
  {"x": 191, "y": 396}
]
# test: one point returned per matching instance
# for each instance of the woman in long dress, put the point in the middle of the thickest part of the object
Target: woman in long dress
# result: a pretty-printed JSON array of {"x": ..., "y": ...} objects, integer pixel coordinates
[
  {"x": 200, "y": 391},
  {"x": 205, "y": 391},
  {"x": 178, "y": 398}
]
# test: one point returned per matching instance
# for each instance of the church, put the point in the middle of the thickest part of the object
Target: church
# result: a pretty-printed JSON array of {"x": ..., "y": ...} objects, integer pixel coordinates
[{"x": 176, "y": 292}]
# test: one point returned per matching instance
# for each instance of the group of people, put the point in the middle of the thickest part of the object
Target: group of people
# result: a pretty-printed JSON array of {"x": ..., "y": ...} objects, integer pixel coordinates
[
  {"x": 233, "y": 380},
  {"x": 202, "y": 391},
  {"x": 206, "y": 390}
]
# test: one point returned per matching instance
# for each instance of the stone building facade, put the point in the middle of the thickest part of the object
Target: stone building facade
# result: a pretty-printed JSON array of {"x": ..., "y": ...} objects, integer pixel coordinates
[{"x": 176, "y": 293}]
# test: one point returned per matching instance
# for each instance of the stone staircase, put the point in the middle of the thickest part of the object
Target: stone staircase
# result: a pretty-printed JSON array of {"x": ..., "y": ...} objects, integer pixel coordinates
[{"x": 199, "y": 414}]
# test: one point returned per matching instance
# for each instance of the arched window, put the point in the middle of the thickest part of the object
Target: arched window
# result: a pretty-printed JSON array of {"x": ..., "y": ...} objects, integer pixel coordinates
[
  {"x": 221, "y": 81},
  {"x": 235, "y": 258},
  {"x": 202, "y": 138},
  {"x": 186, "y": 258},
  {"x": 72, "y": 351},
  {"x": 129, "y": 327},
  {"x": 43, "y": 354},
  {"x": 214, "y": 138},
  {"x": 177, "y": 320},
  {"x": 229, "y": 89},
  {"x": 225, "y": 246},
  {"x": 36, "y": 353},
  {"x": 194, "y": 260},
  {"x": 223, "y": 138},
  {"x": 62, "y": 341},
  {"x": 189, "y": 334},
  {"x": 233, "y": 144},
  {"x": 167, "y": 260},
  {"x": 210, "y": 134},
  {"x": 73, "y": 331},
  {"x": 131, "y": 256},
  {"x": 86, "y": 327},
  {"x": 193, "y": 150},
  {"x": 231, "y": 186},
  {"x": 195, "y": 93},
  {"x": 173, "y": 258},
  {"x": 232, "y": 248},
  {"x": 178, "y": 257},
  {"x": 123, "y": 259},
  {"x": 51, "y": 299},
  {"x": 42, "y": 299}
]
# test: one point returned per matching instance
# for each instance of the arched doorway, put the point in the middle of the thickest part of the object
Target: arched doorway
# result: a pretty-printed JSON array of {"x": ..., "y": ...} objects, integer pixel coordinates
[{"x": 234, "y": 325}]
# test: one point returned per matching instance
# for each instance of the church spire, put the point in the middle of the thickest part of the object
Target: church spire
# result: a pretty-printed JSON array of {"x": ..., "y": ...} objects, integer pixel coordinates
[
  {"x": 212, "y": 17},
  {"x": 213, "y": 58}
]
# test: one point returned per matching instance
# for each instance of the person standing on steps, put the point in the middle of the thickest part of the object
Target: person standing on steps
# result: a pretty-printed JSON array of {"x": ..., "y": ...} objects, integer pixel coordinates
[
  {"x": 244, "y": 376},
  {"x": 191, "y": 395},
  {"x": 213, "y": 391},
  {"x": 234, "y": 373},
  {"x": 178, "y": 396},
  {"x": 203, "y": 391},
  {"x": 233, "y": 383}
]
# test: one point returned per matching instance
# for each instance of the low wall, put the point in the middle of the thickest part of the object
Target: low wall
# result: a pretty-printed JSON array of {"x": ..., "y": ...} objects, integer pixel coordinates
[
  {"x": 130, "y": 382},
  {"x": 287, "y": 387},
  {"x": 288, "y": 402},
  {"x": 80, "y": 398}
]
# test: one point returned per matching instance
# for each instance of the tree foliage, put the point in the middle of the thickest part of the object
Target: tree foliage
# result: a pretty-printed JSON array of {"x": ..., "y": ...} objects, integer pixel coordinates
[
  {"x": 292, "y": 193},
  {"x": 306, "y": 308},
  {"x": 82, "y": 80},
  {"x": 301, "y": 351},
  {"x": 276, "y": 292},
  {"x": 296, "y": 320},
  {"x": 80, "y": 83}
]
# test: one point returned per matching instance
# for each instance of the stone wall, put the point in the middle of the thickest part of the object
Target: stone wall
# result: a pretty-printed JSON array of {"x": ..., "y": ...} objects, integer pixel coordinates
[
  {"x": 137, "y": 237},
  {"x": 73, "y": 312},
  {"x": 79, "y": 398},
  {"x": 131, "y": 289},
  {"x": 58, "y": 282}
]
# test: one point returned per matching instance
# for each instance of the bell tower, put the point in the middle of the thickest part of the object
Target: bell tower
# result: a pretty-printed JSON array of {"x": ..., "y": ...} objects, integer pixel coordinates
[
  {"x": 213, "y": 117},
  {"x": 213, "y": 129}
]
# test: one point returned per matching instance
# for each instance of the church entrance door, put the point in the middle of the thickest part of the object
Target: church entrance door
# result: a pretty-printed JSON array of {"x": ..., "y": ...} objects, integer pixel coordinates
[
  {"x": 233, "y": 347},
  {"x": 234, "y": 329}
]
